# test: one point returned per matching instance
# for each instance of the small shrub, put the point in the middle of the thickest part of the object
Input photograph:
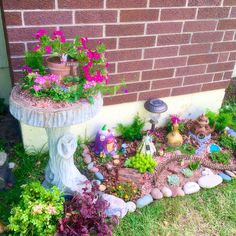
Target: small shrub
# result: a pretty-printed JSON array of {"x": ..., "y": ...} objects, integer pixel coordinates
[
  {"x": 141, "y": 162},
  {"x": 194, "y": 165},
  {"x": 37, "y": 212},
  {"x": 221, "y": 157},
  {"x": 133, "y": 131},
  {"x": 212, "y": 117},
  {"x": 227, "y": 141}
]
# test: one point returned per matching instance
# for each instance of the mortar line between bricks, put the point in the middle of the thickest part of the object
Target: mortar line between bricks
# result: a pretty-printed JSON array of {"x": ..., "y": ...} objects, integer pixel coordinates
[
  {"x": 22, "y": 18},
  {"x": 56, "y": 4}
]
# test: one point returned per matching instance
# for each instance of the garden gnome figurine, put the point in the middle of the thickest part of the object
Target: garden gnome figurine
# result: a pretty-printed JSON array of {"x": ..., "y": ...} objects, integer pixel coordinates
[
  {"x": 105, "y": 142},
  {"x": 147, "y": 146}
]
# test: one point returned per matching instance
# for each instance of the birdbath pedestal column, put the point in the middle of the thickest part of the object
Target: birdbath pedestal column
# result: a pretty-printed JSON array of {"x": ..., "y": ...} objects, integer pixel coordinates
[{"x": 61, "y": 170}]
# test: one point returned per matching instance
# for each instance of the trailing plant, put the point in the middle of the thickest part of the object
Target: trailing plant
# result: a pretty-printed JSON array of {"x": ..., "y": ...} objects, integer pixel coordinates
[
  {"x": 221, "y": 157},
  {"x": 34, "y": 62},
  {"x": 187, "y": 172},
  {"x": 143, "y": 163},
  {"x": 194, "y": 165},
  {"x": 227, "y": 141},
  {"x": 132, "y": 131},
  {"x": 85, "y": 215},
  {"x": 126, "y": 191},
  {"x": 37, "y": 212}
]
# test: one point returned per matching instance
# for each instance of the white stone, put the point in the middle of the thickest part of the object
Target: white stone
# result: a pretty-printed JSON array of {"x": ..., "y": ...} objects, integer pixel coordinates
[
  {"x": 191, "y": 187},
  {"x": 3, "y": 158},
  {"x": 131, "y": 206},
  {"x": 166, "y": 192},
  {"x": 156, "y": 194},
  {"x": 117, "y": 206},
  {"x": 210, "y": 181},
  {"x": 207, "y": 171},
  {"x": 11, "y": 165},
  {"x": 230, "y": 173}
]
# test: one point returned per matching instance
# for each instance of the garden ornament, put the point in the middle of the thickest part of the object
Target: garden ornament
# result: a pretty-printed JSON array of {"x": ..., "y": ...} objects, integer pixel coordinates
[
  {"x": 147, "y": 147},
  {"x": 174, "y": 137}
]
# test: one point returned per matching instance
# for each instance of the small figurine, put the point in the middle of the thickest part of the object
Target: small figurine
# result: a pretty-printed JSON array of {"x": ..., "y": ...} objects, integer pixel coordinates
[
  {"x": 105, "y": 142},
  {"x": 174, "y": 137},
  {"x": 161, "y": 152},
  {"x": 123, "y": 150},
  {"x": 147, "y": 146}
]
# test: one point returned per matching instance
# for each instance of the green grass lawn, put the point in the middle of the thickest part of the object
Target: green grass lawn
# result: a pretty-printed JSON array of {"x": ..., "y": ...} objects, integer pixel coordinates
[{"x": 209, "y": 212}]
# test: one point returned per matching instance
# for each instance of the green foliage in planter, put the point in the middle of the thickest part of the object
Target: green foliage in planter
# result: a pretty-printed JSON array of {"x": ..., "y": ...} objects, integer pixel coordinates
[
  {"x": 220, "y": 157},
  {"x": 169, "y": 126},
  {"x": 132, "y": 131},
  {"x": 38, "y": 211},
  {"x": 226, "y": 141},
  {"x": 143, "y": 163},
  {"x": 194, "y": 165}
]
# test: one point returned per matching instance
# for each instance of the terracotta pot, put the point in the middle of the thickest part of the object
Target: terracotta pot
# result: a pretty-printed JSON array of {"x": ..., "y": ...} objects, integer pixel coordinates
[{"x": 57, "y": 68}]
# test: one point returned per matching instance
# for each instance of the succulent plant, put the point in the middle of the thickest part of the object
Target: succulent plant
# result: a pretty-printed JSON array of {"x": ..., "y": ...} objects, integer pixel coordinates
[
  {"x": 187, "y": 172},
  {"x": 173, "y": 180}
]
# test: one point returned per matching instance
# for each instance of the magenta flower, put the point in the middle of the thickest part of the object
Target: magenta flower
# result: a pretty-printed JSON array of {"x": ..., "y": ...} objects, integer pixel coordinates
[
  {"x": 40, "y": 80},
  {"x": 36, "y": 48},
  {"x": 175, "y": 119},
  {"x": 48, "y": 49},
  {"x": 27, "y": 69},
  {"x": 40, "y": 33},
  {"x": 107, "y": 64},
  {"x": 62, "y": 39},
  {"x": 84, "y": 42},
  {"x": 126, "y": 91},
  {"x": 59, "y": 33},
  {"x": 37, "y": 88}
]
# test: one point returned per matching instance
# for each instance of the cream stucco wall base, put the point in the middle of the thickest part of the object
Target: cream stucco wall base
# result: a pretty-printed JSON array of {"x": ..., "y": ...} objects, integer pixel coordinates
[{"x": 188, "y": 106}]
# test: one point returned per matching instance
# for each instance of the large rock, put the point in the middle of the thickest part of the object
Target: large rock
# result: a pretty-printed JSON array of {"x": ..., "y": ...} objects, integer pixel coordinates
[
  {"x": 144, "y": 201},
  {"x": 210, "y": 181},
  {"x": 191, "y": 187},
  {"x": 207, "y": 171},
  {"x": 117, "y": 206},
  {"x": 166, "y": 192},
  {"x": 156, "y": 194}
]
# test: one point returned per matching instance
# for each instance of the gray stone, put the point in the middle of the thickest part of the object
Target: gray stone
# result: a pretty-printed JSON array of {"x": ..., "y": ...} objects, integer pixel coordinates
[
  {"x": 225, "y": 177},
  {"x": 99, "y": 176},
  {"x": 166, "y": 192},
  {"x": 191, "y": 187},
  {"x": 144, "y": 201},
  {"x": 131, "y": 206},
  {"x": 156, "y": 194},
  {"x": 210, "y": 181},
  {"x": 3, "y": 158},
  {"x": 207, "y": 171},
  {"x": 230, "y": 173}
]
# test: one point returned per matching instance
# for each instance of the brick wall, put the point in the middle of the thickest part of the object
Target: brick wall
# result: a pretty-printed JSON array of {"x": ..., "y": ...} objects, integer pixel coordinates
[{"x": 160, "y": 47}]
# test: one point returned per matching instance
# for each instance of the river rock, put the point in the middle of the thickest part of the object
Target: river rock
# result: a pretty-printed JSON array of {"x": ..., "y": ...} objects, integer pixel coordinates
[
  {"x": 90, "y": 165},
  {"x": 99, "y": 176},
  {"x": 3, "y": 158},
  {"x": 180, "y": 192},
  {"x": 109, "y": 166},
  {"x": 87, "y": 159},
  {"x": 224, "y": 177},
  {"x": 166, "y": 192},
  {"x": 210, "y": 181},
  {"x": 156, "y": 194},
  {"x": 94, "y": 169},
  {"x": 117, "y": 206},
  {"x": 191, "y": 187},
  {"x": 144, "y": 201},
  {"x": 230, "y": 173},
  {"x": 102, "y": 187},
  {"x": 116, "y": 162},
  {"x": 207, "y": 171},
  {"x": 131, "y": 206}
]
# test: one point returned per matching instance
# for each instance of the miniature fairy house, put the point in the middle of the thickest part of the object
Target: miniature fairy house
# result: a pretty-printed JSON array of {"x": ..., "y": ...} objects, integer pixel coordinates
[
  {"x": 105, "y": 142},
  {"x": 147, "y": 146}
]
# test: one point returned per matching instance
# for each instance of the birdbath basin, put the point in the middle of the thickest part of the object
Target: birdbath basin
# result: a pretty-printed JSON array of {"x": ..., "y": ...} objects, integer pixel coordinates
[{"x": 57, "y": 120}]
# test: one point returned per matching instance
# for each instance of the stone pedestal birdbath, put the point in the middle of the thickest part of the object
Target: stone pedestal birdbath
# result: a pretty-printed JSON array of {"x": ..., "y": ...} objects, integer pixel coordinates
[{"x": 57, "y": 120}]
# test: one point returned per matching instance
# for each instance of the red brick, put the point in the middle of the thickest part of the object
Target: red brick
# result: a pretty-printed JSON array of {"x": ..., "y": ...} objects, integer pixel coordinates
[
  {"x": 213, "y": 12},
  {"x": 28, "y": 4},
  {"x": 17, "y": 63},
  {"x": 232, "y": 56},
  {"x": 109, "y": 42},
  {"x": 161, "y": 52},
  {"x": 12, "y": 18},
  {"x": 100, "y": 16},
  {"x": 207, "y": 37},
  {"x": 220, "y": 67},
  {"x": 123, "y": 55},
  {"x": 185, "y": 90},
  {"x": 197, "y": 79},
  {"x": 173, "y": 39},
  {"x": 16, "y": 49},
  {"x": 164, "y": 28},
  {"x": 218, "y": 76},
  {"x": 112, "y": 67},
  {"x": 139, "y": 15},
  {"x": 166, "y": 83},
  {"x": 86, "y": 31},
  {"x": 190, "y": 70},
  {"x": 224, "y": 46},
  {"x": 154, "y": 94},
  {"x": 227, "y": 75},
  {"x": 157, "y": 74},
  {"x": 122, "y": 30},
  {"x": 223, "y": 56},
  {"x": 17, "y": 76},
  {"x": 137, "y": 42},
  {"x": 134, "y": 65},
  {"x": 48, "y": 18},
  {"x": 202, "y": 59},
  {"x": 194, "y": 49},
  {"x": 233, "y": 12},
  {"x": 25, "y": 34},
  {"x": 127, "y": 77},
  {"x": 170, "y": 62},
  {"x": 216, "y": 85},
  {"x": 167, "y": 3},
  {"x": 126, "y": 3},
  {"x": 195, "y": 26},
  {"x": 229, "y": 35},
  {"x": 178, "y": 14},
  {"x": 81, "y": 4},
  {"x": 120, "y": 99},
  {"x": 229, "y": 3},
  {"x": 227, "y": 24},
  {"x": 204, "y": 2},
  {"x": 135, "y": 87}
]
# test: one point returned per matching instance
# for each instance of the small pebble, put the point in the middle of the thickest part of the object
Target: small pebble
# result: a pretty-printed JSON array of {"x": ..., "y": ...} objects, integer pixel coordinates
[
  {"x": 144, "y": 201},
  {"x": 166, "y": 192},
  {"x": 94, "y": 169},
  {"x": 109, "y": 166},
  {"x": 131, "y": 206},
  {"x": 102, "y": 187},
  {"x": 225, "y": 177},
  {"x": 230, "y": 173},
  {"x": 191, "y": 187},
  {"x": 90, "y": 165},
  {"x": 116, "y": 162},
  {"x": 11, "y": 165},
  {"x": 99, "y": 176},
  {"x": 116, "y": 156},
  {"x": 180, "y": 192},
  {"x": 87, "y": 159},
  {"x": 156, "y": 194},
  {"x": 207, "y": 171}
]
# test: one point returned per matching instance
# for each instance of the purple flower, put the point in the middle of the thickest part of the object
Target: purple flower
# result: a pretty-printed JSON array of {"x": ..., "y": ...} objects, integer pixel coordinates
[
  {"x": 40, "y": 33},
  {"x": 126, "y": 91},
  {"x": 48, "y": 49},
  {"x": 27, "y": 69},
  {"x": 36, "y": 48},
  {"x": 175, "y": 119}
]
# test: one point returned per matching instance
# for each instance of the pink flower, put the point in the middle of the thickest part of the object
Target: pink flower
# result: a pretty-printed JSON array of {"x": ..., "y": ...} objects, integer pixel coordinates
[
  {"x": 90, "y": 54},
  {"x": 175, "y": 119},
  {"x": 63, "y": 39},
  {"x": 107, "y": 64},
  {"x": 48, "y": 49},
  {"x": 40, "y": 33},
  {"x": 59, "y": 33},
  {"x": 96, "y": 55},
  {"x": 126, "y": 91},
  {"x": 36, "y": 48},
  {"x": 40, "y": 80},
  {"x": 37, "y": 88},
  {"x": 84, "y": 42},
  {"x": 27, "y": 69},
  {"x": 89, "y": 85}
]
